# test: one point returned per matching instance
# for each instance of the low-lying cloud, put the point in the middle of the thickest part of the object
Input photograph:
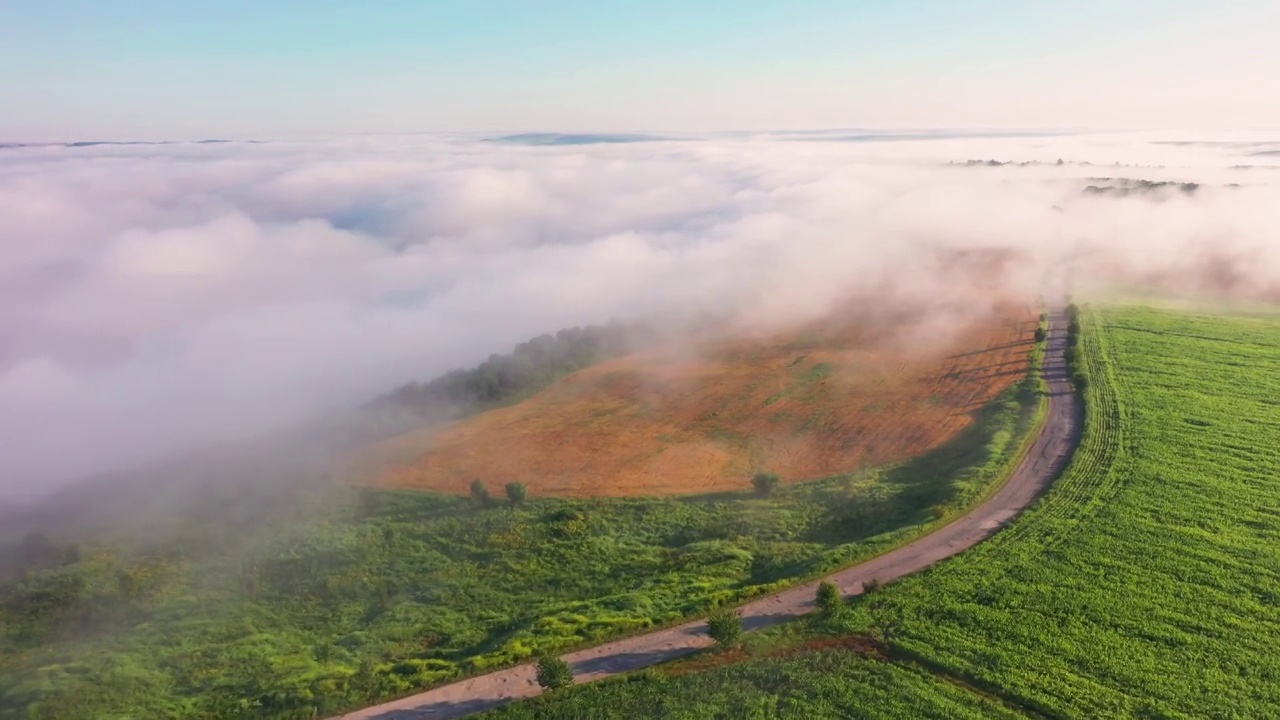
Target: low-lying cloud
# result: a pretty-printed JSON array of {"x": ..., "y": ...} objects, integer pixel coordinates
[{"x": 157, "y": 297}]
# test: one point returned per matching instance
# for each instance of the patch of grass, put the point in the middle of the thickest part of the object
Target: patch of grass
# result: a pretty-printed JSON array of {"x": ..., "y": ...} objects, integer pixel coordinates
[{"x": 817, "y": 373}]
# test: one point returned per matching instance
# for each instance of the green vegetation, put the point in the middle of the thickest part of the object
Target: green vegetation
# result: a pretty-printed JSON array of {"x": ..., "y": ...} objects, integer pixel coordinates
[
  {"x": 765, "y": 483},
  {"x": 829, "y": 684},
  {"x": 516, "y": 492},
  {"x": 480, "y": 494},
  {"x": 385, "y": 593},
  {"x": 504, "y": 379},
  {"x": 725, "y": 627},
  {"x": 829, "y": 600},
  {"x": 1146, "y": 584},
  {"x": 301, "y": 599},
  {"x": 553, "y": 673}
]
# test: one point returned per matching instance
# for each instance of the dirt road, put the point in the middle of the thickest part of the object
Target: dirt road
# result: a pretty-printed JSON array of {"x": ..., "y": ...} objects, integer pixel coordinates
[{"x": 1048, "y": 455}]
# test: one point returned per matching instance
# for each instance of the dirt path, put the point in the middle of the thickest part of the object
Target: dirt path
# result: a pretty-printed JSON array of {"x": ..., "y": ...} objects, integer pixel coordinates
[{"x": 1046, "y": 458}]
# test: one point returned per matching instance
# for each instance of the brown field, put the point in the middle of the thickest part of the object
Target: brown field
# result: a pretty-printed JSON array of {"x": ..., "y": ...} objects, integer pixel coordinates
[{"x": 818, "y": 401}]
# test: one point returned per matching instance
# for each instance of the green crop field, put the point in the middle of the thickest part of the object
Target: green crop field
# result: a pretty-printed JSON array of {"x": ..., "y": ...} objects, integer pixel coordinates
[
  {"x": 1146, "y": 584},
  {"x": 387, "y": 593}
]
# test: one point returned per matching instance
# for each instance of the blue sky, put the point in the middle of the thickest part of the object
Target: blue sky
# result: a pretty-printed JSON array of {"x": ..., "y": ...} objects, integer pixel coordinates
[{"x": 134, "y": 69}]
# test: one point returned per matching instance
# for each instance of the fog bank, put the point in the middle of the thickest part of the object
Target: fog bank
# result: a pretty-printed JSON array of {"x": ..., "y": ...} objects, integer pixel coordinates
[{"x": 155, "y": 298}]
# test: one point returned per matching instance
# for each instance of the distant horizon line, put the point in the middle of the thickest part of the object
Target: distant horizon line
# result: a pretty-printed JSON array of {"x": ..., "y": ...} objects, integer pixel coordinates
[{"x": 922, "y": 132}]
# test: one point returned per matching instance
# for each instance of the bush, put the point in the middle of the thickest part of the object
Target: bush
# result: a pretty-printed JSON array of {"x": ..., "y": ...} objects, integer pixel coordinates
[
  {"x": 725, "y": 627},
  {"x": 516, "y": 492},
  {"x": 554, "y": 673},
  {"x": 870, "y": 585},
  {"x": 479, "y": 493},
  {"x": 1040, "y": 334},
  {"x": 1081, "y": 382},
  {"x": 830, "y": 600},
  {"x": 765, "y": 483}
]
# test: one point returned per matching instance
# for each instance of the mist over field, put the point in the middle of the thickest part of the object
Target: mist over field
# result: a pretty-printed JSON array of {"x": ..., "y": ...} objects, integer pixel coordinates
[{"x": 156, "y": 298}]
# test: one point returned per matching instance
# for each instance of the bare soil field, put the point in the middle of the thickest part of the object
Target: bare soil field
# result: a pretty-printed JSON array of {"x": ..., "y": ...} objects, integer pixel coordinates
[{"x": 827, "y": 398}]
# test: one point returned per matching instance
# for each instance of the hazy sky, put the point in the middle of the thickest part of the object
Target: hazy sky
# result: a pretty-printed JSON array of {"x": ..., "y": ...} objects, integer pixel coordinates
[{"x": 77, "y": 69}]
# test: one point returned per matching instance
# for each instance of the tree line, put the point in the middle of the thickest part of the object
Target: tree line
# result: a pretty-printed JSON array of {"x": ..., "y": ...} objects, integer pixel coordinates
[{"x": 531, "y": 366}]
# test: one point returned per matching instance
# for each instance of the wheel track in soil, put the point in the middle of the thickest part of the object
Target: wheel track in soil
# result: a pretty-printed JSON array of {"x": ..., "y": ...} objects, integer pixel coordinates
[{"x": 1045, "y": 459}]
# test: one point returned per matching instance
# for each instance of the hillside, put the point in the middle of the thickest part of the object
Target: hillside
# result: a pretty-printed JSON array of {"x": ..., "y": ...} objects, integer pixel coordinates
[
  {"x": 812, "y": 402},
  {"x": 1145, "y": 585}
]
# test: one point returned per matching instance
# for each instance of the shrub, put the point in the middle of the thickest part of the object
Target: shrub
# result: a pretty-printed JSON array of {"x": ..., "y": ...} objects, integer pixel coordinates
[
  {"x": 830, "y": 600},
  {"x": 516, "y": 492},
  {"x": 725, "y": 627},
  {"x": 479, "y": 493},
  {"x": 554, "y": 673},
  {"x": 566, "y": 523},
  {"x": 1044, "y": 317},
  {"x": 1081, "y": 382},
  {"x": 870, "y": 585},
  {"x": 1040, "y": 334},
  {"x": 765, "y": 483}
]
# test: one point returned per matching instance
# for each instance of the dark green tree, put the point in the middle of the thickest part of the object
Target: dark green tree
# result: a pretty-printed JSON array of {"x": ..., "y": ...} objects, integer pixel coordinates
[
  {"x": 725, "y": 627},
  {"x": 554, "y": 673},
  {"x": 479, "y": 493},
  {"x": 516, "y": 492},
  {"x": 765, "y": 483}
]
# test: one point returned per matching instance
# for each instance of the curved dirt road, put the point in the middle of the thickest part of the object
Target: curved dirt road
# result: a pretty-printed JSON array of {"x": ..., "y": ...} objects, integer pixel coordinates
[{"x": 1046, "y": 458}]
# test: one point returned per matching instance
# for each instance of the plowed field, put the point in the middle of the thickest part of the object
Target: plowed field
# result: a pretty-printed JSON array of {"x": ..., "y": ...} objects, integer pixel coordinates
[{"x": 813, "y": 402}]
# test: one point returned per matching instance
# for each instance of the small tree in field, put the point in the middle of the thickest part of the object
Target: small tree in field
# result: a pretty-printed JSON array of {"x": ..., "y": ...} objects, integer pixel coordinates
[
  {"x": 725, "y": 627},
  {"x": 765, "y": 483},
  {"x": 830, "y": 600},
  {"x": 1040, "y": 335},
  {"x": 479, "y": 493},
  {"x": 554, "y": 673},
  {"x": 516, "y": 492}
]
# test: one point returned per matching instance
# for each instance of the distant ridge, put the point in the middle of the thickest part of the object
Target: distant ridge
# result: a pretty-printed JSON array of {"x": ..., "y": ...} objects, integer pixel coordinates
[
  {"x": 573, "y": 138},
  {"x": 95, "y": 143}
]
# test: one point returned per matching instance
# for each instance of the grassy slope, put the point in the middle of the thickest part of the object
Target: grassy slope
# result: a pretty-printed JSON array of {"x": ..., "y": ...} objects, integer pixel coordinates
[
  {"x": 1145, "y": 585},
  {"x": 403, "y": 590}
]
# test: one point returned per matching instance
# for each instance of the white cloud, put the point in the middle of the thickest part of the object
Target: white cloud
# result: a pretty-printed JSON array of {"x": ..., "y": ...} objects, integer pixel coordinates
[{"x": 155, "y": 297}]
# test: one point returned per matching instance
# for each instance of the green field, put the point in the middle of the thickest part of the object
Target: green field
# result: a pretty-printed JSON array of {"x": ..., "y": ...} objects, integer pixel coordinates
[
  {"x": 385, "y": 593},
  {"x": 1145, "y": 585}
]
